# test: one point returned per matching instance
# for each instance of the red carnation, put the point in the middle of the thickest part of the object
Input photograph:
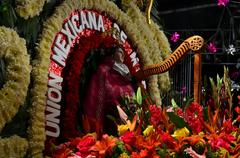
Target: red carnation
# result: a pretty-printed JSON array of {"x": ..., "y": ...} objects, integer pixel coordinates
[
  {"x": 128, "y": 138},
  {"x": 156, "y": 115},
  {"x": 194, "y": 117}
]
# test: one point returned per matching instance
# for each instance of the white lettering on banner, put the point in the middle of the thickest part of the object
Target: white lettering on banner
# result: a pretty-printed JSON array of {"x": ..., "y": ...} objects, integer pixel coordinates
[
  {"x": 72, "y": 28},
  {"x": 53, "y": 114},
  {"x": 84, "y": 21},
  {"x": 100, "y": 24},
  {"x": 92, "y": 20},
  {"x": 134, "y": 58},
  {"x": 62, "y": 43},
  {"x": 54, "y": 95},
  {"x": 53, "y": 109},
  {"x": 55, "y": 81},
  {"x": 75, "y": 20},
  {"x": 123, "y": 36},
  {"x": 66, "y": 31},
  {"x": 53, "y": 104},
  {"x": 56, "y": 128}
]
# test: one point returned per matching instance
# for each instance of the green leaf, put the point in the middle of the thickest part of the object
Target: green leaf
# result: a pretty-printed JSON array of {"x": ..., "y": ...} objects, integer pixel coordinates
[
  {"x": 178, "y": 121},
  {"x": 174, "y": 104},
  {"x": 112, "y": 118},
  {"x": 3, "y": 7},
  {"x": 8, "y": 16},
  {"x": 139, "y": 96},
  {"x": 205, "y": 113},
  {"x": 189, "y": 100},
  {"x": 212, "y": 83}
]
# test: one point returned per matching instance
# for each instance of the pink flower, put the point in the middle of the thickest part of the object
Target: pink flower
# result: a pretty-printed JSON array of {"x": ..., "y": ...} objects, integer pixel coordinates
[
  {"x": 175, "y": 37},
  {"x": 223, "y": 2},
  {"x": 193, "y": 153},
  {"x": 212, "y": 47},
  {"x": 184, "y": 90}
]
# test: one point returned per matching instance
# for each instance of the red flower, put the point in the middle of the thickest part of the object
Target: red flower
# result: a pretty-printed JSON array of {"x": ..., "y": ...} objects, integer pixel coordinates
[
  {"x": 128, "y": 138},
  {"x": 228, "y": 127},
  {"x": 62, "y": 153},
  {"x": 218, "y": 143},
  {"x": 179, "y": 112},
  {"x": 156, "y": 115},
  {"x": 144, "y": 154},
  {"x": 221, "y": 141},
  {"x": 194, "y": 117},
  {"x": 167, "y": 139},
  {"x": 85, "y": 144}
]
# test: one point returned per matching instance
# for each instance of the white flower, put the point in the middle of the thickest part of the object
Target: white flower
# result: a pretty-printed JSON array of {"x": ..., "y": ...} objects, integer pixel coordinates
[{"x": 231, "y": 50}]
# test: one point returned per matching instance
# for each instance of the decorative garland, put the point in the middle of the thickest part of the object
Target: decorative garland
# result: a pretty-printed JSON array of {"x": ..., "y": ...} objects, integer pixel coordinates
[
  {"x": 13, "y": 146},
  {"x": 14, "y": 91},
  {"x": 154, "y": 54},
  {"x": 40, "y": 69},
  {"x": 13, "y": 50},
  {"x": 29, "y": 8}
]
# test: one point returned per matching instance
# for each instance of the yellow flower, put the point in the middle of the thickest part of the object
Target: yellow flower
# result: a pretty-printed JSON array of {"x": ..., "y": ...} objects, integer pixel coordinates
[
  {"x": 122, "y": 129},
  {"x": 201, "y": 134},
  {"x": 183, "y": 132},
  {"x": 29, "y": 8},
  {"x": 124, "y": 155},
  {"x": 148, "y": 130}
]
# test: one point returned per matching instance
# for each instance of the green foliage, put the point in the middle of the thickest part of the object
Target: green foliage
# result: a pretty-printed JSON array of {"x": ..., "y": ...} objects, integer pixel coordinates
[
  {"x": 216, "y": 89},
  {"x": 118, "y": 149},
  {"x": 139, "y": 96},
  {"x": 227, "y": 87},
  {"x": 178, "y": 121},
  {"x": 188, "y": 101},
  {"x": 162, "y": 152},
  {"x": 174, "y": 104},
  {"x": 7, "y": 14}
]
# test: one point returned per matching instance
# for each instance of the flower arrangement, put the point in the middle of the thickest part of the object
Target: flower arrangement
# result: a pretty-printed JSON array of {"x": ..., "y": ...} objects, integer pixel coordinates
[
  {"x": 14, "y": 91},
  {"x": 29, "y": 8},
  {"x": 192, "y": 131},
  {"x": 13, "y": 146},
  {"x": 41, "y": 62},
  {"x": 14, "y": 52}
]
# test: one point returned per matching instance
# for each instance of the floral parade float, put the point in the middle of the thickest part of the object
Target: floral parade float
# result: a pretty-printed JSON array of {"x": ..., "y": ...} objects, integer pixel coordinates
[{"x": 67, "y": 42}]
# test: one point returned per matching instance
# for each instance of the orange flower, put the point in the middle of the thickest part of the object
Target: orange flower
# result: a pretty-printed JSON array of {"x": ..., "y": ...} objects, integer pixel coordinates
[
  {"x": 192, "y": 140},
  {"x": 132, "y": 125},
  {"x": 62, "y": 153},
  {"x": 149, "y": 143},
  {"x": 104, "y": 146}
]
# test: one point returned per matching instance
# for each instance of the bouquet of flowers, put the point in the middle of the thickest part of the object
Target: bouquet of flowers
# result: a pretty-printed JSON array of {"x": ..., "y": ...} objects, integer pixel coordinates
[{"x": 154, "y": 132}]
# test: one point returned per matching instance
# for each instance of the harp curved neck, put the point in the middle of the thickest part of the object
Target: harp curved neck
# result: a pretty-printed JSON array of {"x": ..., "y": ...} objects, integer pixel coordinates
[{"x": 193, "y": 43}]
